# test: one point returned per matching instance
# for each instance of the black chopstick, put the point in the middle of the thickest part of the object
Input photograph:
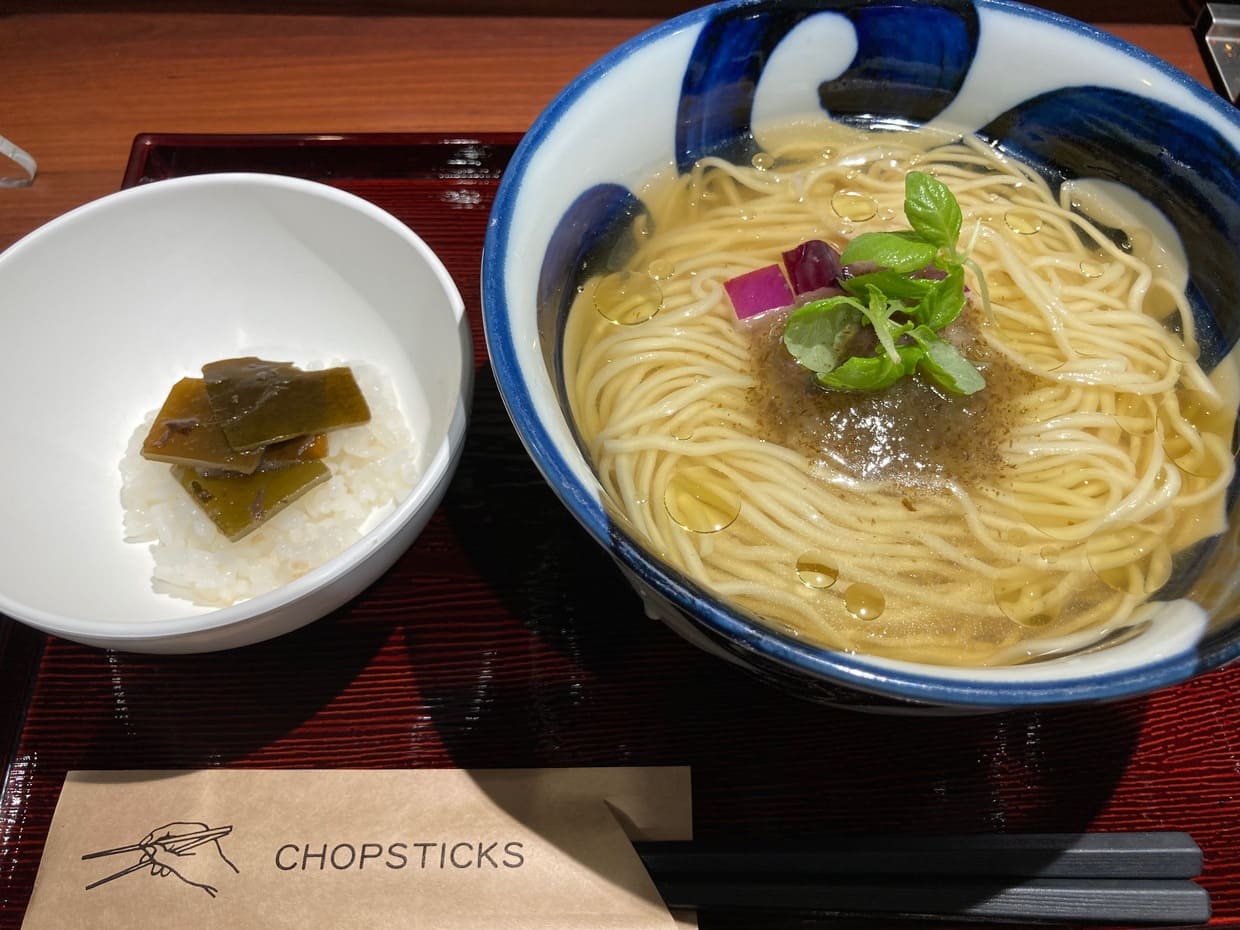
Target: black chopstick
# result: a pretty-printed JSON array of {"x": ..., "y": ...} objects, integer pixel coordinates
[
  {"x": 1154, "y": 855},
  {"x": 1082, "y": 900},
  {"x": 1141, "y": 877}
]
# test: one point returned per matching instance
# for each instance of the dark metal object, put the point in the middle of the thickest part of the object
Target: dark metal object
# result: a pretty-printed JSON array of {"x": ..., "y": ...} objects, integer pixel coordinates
[{"x": 1218, "y": 32}]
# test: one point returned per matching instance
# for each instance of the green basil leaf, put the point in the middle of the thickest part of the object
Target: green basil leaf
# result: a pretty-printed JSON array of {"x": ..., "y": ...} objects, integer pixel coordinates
[
  {"x": 932, "y": 209},
  {"x": 861, "y": 373},
  {"x": 943, "y": 301},
  {"x": 943, "y": 364},
  {"x": 898, "y": 251},
  {"x": 891, "y": 283},
  {"x": 816, "y": 333},
  {"x": 878, "y": 314}
]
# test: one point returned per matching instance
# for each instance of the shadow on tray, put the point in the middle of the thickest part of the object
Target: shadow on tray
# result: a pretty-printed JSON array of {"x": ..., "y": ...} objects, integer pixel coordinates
[{"x": 573, "y": 673}]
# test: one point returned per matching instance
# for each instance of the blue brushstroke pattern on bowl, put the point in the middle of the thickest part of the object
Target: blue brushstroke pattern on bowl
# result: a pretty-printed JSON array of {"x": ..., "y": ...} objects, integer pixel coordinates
[{"x": 1067, "y": 99}]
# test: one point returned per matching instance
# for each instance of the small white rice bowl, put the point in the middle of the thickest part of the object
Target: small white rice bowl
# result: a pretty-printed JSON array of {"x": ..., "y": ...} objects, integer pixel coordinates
[{"x": 108, "y": 306}]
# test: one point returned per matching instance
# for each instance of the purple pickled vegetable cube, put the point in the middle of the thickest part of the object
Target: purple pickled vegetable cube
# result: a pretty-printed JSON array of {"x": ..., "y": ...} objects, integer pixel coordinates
[
  {"x": 758, "y": 291},
  {"x": 812, "y": 266}
]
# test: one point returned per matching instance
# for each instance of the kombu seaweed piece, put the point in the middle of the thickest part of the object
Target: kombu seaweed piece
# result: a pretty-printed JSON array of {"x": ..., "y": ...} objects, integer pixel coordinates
[
  {"x": 259, "y": 402},
  {"x": 293, "y": 451},
  {"x": 282, "y": 454},
  {"x": 239, "y": 504},
  {"x": 187, "y": 432}
]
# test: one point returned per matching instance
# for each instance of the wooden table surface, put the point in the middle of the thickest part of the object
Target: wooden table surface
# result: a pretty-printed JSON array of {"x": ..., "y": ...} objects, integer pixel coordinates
[{"x": 80, "y": 86}]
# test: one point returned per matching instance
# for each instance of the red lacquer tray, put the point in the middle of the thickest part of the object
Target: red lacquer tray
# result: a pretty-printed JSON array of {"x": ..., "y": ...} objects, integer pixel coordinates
[{"x": 506, "y": 638}]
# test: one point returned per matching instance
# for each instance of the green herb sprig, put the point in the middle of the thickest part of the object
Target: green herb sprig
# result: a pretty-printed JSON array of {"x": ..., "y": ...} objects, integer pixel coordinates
[{"x": 906, "y": 311}]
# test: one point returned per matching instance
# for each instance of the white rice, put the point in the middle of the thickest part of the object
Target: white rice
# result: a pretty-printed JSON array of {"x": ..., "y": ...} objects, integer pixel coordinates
[{"x": 373, "y": 466}]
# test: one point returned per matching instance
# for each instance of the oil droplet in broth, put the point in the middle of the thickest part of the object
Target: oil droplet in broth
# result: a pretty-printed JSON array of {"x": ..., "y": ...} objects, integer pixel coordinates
[
  {"x": 681, "y": 428},
  {"x": 628, "y": 297},
  {"x": 1092, "y": 269},
  {"x": 1130, "y": 558},
  {"x": 817, "y": 570},
  {"x": 702, "y": 499},
  {"x": 661, "y": 269},
  {"x": 1022, "y": 600},
  {"x": 864, "y": 601},
  {"x": 763, "y": 161},
  {"x": 1024, "y": 222},
  {"x": 853, "y": 206},
  {"x": 1183, "y": 441},
  {"x": 1136, "y": 414},
  {"x": 681, "y": 424}
]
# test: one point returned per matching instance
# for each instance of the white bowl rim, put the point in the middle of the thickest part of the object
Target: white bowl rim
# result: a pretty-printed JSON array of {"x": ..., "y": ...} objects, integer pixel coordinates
[{"x": 851, "y": 670}]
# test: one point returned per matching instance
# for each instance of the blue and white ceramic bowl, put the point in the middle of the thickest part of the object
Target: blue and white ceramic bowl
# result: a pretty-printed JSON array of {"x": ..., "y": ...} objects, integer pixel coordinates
[{"x": 1060, "y": 94}]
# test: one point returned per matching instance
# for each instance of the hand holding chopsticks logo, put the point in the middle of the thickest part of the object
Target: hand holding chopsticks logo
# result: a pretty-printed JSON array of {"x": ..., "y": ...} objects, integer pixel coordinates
[{"x": 190, "y": 851}]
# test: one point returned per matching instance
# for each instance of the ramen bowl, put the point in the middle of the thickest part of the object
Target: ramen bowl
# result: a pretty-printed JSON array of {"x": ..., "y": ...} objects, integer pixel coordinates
[
  {"x": 108, "y": 306},
  {"x": 1075, "y": 104}
]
